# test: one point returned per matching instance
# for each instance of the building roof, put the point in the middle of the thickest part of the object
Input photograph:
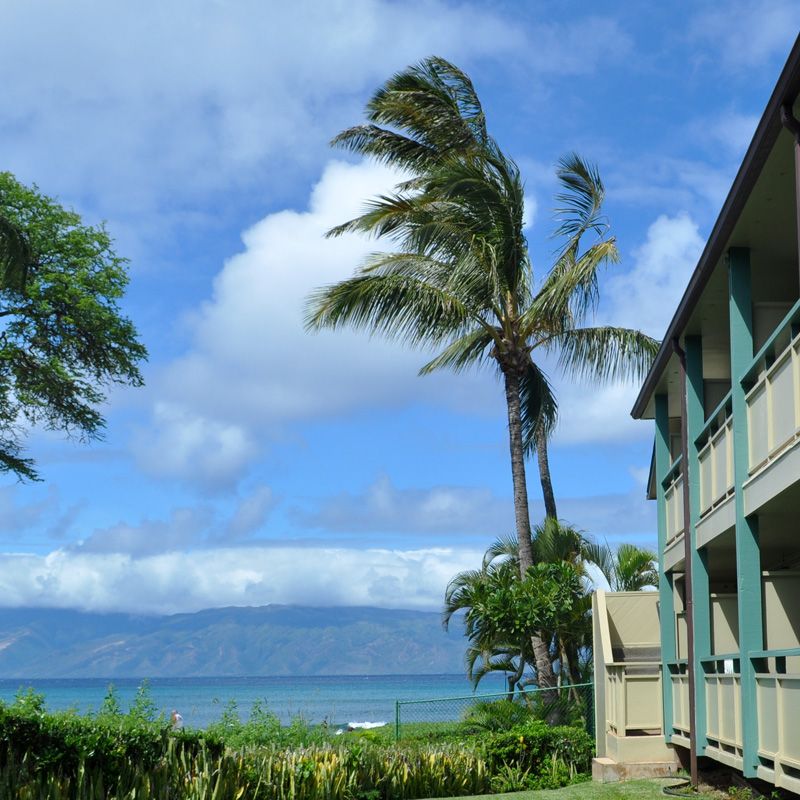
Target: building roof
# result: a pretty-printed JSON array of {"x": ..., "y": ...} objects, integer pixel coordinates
[{"x": 785, "y": 91}]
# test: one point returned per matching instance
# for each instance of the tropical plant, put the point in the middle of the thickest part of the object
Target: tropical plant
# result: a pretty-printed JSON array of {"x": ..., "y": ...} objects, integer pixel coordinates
[
  {"x": 64, "y": 336},
  {"x": 627, "y": 569},
  {"x": 460, "y": 279},
  {"x": 565, "y": 627}
]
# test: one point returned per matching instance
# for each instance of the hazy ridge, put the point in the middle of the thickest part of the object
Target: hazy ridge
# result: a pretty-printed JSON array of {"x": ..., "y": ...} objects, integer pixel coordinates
[{"x": 265, "y": 640}]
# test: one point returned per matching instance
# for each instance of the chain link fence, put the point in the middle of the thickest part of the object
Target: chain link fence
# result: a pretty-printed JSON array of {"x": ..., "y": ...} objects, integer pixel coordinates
[{"x": 561, "y": 705}]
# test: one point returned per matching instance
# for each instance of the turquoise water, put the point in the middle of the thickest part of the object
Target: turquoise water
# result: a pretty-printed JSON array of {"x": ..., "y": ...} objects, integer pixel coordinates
[{"x": 337, "y": 699}]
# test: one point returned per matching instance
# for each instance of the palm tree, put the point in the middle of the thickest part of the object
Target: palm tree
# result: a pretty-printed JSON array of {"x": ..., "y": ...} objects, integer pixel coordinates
[
  {"x": 557, "y": 542},
  {"x": 460, "y": 280},
  {"x": 487, "y": 652},
  {"x": 502, "y": 610},
  {"x": 627, "y": 569}
]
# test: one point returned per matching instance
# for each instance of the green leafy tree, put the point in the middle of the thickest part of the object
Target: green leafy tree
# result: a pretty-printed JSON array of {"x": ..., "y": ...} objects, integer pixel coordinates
[
  {"x": 63, "y": 338},
  {"x": 503, "y": 610},
  {"x": 459, "y": 280},
  {"x": 15, "y": 255},
  {"x": 553, "y": 543},
  {"x": 627, "y": 569}
]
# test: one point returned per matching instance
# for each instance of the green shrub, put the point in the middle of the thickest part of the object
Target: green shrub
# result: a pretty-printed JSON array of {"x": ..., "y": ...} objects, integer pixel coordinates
[
  {"x": 551, "y": 755},
  {"x": 497, "y": 715},
  {"x": 136, "y": 755}
]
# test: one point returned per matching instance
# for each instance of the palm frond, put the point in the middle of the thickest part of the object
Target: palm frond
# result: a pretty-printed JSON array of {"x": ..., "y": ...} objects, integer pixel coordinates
[
  {"x": 470, "y": 349},
  {"x": 503, "y": 547},
  {"x": 581, "y": 199},
  {"x": 386, "y": 147},
  {"x": 436, "y": 103},
  {"x": 570, "y": 289},
  {"x": 401, "y": 308},
  {"x": 538, "y": 406},
  {"x": 606, "y": 353}
]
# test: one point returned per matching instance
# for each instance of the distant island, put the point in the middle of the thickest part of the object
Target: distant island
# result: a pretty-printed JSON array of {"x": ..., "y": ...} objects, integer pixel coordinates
[{"x": 255, "y": 641}]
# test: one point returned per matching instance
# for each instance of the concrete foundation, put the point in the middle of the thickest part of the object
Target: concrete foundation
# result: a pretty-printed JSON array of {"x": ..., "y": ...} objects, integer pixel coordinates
[{"x": 606, "y": 770}]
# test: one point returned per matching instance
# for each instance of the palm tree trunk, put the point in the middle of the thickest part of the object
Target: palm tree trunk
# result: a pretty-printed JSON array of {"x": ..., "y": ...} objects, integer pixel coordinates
[
  {"x": 545, "y": 676},
  {"x": 544, "y": 476}
]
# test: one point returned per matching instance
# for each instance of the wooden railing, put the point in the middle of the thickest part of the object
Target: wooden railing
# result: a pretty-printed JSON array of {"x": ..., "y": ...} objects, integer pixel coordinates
[
  {"x": 633, "y": 697},
  {"x": 723, "y": 692},
  {"x": 715, "y": 454},
  {"x": 681, "y": 721},
  {"x": 778, "y": 707},
  {"x": 673, "y": 499},
  {"x": 773, "y": 393}
]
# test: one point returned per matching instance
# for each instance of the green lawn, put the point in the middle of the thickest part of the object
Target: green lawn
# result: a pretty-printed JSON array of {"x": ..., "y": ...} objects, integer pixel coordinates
[{"x": 627, "y": 790}]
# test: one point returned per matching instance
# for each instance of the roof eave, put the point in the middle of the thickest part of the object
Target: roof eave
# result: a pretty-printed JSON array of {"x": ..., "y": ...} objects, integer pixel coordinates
[{"x": 786, "y": 90}]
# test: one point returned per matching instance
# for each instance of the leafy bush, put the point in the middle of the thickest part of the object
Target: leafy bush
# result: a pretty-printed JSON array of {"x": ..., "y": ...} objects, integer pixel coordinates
[
  {"x": 136, "y": 754},
  {"x": 263, "y": 728},
  {"x": 498, "y": 715},
  {"x": 109, "y": 741},
  {"x": 549, "y": 756}
]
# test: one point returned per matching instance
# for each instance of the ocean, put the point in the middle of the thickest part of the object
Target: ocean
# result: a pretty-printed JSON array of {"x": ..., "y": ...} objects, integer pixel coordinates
[{"x": 201, "y": 701}]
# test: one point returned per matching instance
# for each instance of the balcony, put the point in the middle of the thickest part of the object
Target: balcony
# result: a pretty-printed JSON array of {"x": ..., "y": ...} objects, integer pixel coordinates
[
  {"x": 681, "y": 720},
  {"x": 629, "y": 706},
  {"x": 673, "y": 500},
  {"x": 773, "y": 414},
  {"x": 633, "y": 698},
  {"x": 778, "y": 706},
  {"x": 715, "y": 454},
  {"x": 723, "y": 695}
]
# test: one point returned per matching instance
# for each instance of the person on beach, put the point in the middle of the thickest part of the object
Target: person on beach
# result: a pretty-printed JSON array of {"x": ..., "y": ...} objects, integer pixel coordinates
[{"x": 176, "y": 719}]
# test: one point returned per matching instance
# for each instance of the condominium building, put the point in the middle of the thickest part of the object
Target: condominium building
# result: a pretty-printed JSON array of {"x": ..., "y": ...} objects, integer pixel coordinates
[{"x": 711, "y": 662}]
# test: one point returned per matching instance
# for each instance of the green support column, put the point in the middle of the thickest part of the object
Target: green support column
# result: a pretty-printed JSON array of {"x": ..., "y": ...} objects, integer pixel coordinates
[
  {"x": 748, "y": 554},
  {"x": 666, "y": 600},
  {"x": 701, "y": 593}
]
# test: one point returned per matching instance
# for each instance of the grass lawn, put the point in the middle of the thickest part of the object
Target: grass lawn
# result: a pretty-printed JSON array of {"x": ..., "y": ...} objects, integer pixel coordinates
[{"x": 627, "y": 790}]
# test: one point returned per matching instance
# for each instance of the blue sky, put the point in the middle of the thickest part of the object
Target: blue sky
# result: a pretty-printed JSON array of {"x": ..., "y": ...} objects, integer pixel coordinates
[{"x": 261, "y": 464}]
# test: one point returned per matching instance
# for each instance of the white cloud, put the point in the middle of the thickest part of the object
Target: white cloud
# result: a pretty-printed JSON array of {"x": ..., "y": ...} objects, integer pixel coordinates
[
  {"x": 644, "y": 297},
  {"x": 647, "y": 295},
  {"x": 148, "y": 102},
  {"x": 732, "y": 130},
  {"x": 746, "y": 33},
  {"x": 438, "y": 509},
  {"x": 184, "y": 582},
  {"x": 252, "y": 366},
  {"x": 529, "y": 213},
  {"x": 186, "y": 528},
  {"x": 183, "y": 444},
  {"x": 446, "y": 510}
]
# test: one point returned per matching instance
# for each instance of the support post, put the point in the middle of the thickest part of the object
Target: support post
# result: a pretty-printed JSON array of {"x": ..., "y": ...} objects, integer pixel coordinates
[
  {"x": 699, "y": 598},
  {"x": 666, "y": 600},
  {"x": 701, "y": 590},
  {"x": 748, "y": 553}
]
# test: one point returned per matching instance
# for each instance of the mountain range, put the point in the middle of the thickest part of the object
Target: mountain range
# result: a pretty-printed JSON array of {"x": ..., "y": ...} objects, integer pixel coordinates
[{"x": 253, "y": 641}]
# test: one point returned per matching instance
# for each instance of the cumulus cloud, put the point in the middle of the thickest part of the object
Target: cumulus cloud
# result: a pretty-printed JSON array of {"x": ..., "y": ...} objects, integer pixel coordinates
[
  {"x": 183, "y": 444},
  {"x": 746, "y": 33},
  {"x": 383, "y": 508},
  {"x": 157, "y": 567},
  {"x": 644, "y": 297},
  {"x": 186, "y": 528},
  {"x": 459, "y": 510},
  {"x": 185, "y": 582},
  {"x": 154, "y": 102},
  {"x": 252, "y": 367}
]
